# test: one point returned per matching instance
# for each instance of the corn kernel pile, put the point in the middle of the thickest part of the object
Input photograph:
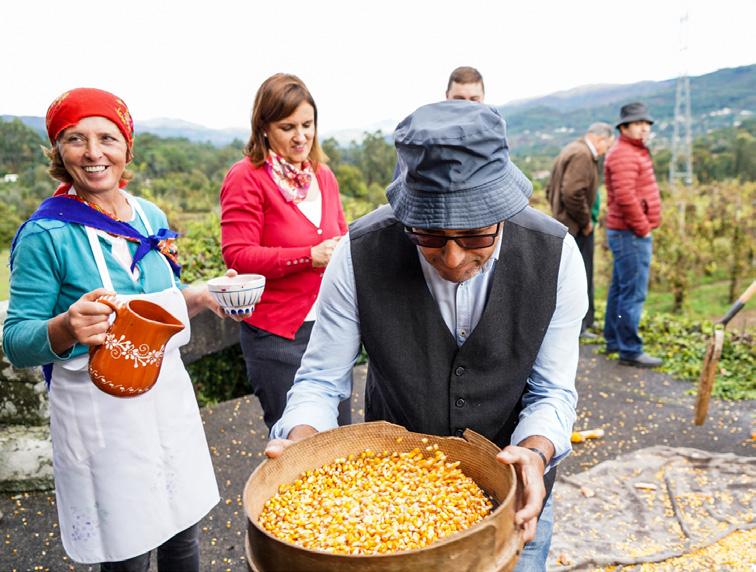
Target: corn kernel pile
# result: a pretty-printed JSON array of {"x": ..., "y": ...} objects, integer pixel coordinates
[
  {"x": 736, "y": 552},
  {"x": 374, "y": 503}
]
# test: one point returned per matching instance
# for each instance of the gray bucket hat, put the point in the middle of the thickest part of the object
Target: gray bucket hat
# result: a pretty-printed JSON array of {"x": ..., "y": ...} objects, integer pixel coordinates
[
  {"x": 634, "y": 112},
  {"x": 454, "y": 168}
]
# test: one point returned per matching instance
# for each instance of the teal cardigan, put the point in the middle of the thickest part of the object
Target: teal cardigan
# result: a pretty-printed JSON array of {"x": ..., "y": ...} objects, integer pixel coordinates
[{"x": 52, "y": 267}]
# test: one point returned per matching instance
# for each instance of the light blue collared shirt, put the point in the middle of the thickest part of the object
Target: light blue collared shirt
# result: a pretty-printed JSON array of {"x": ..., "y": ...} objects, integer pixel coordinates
[
  {"x": 324, "y": 378},
  {"x": 461, "y": 303}
]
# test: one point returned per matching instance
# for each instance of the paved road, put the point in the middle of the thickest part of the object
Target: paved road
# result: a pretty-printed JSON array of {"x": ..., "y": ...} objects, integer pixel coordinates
[{"x": 637, "y": 408}]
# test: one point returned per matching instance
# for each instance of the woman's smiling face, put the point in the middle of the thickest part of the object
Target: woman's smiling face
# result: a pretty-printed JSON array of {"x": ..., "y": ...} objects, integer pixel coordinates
[{"x": 95, "y": 154}]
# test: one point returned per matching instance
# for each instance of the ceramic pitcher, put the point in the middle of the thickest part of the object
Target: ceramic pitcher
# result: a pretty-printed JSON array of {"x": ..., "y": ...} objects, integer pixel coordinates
[{"x": 128, "y": 363}]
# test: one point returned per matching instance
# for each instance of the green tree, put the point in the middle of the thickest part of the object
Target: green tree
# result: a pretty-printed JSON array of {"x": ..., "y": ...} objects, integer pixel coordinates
[
  {"x": 351, "y": 181},
  {"x": 9, "y": 223},
  {"x": 377, "y": 159},
  {"x": 745, "y": 156},
  {"x": 331, "y": 148},
  {"x": 200, "y": 250},
  {"x": 20, "y": 147}
]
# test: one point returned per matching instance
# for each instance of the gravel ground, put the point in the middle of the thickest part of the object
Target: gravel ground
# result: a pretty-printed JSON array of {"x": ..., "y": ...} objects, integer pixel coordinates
[{"x": 636, "y": 408}]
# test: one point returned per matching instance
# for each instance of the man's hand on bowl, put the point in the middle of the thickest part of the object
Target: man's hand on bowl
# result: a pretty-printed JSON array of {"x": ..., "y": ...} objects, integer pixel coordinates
[{"x": 275, "y": 447}]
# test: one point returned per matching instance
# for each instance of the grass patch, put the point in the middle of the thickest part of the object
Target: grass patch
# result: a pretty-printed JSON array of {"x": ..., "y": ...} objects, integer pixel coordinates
[
  {"x": 707, "y": 297},
  {"x": 706, "y": 301},
  {"x": 681, "y": 339},
  {"x": 681, "y": 342}
]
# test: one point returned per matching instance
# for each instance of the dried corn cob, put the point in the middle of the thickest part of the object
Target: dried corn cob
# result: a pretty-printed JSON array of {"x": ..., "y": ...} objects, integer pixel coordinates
[{"x": 580, "y": 436}]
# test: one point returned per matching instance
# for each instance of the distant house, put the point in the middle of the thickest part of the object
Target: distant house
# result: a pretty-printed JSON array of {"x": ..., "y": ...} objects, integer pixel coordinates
[{"x": 10, "y": 178}]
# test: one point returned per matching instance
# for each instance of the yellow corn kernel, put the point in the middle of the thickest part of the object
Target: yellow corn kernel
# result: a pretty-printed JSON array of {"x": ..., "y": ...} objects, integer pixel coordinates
[{"x": 374, "y": 503}]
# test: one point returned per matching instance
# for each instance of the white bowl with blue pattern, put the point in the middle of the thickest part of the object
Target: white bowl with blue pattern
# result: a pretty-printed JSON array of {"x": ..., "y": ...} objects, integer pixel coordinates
[{"x": 237, "y": 294}]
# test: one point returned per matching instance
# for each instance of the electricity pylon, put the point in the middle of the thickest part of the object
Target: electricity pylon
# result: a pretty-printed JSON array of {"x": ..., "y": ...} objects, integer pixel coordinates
[{"x": 681, "y": 162}]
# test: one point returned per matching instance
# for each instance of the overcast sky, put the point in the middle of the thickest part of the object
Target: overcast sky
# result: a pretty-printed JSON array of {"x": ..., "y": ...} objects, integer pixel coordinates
[{"x": 364, "y": 61}]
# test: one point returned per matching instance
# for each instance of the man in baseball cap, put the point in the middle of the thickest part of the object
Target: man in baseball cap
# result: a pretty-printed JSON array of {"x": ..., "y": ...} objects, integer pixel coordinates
[{"x": 633, "y": 211}]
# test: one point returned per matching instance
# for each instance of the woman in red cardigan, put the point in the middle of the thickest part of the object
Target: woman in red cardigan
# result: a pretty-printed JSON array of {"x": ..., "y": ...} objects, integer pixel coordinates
[{"x": 281, "y": 216}]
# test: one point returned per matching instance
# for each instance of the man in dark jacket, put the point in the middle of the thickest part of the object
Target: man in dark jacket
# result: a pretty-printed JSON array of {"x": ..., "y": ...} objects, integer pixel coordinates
[
  {"x": 634, "y": 210},
  {"x": 468, "y": 303},
  {"x": 572, "y": 193}
]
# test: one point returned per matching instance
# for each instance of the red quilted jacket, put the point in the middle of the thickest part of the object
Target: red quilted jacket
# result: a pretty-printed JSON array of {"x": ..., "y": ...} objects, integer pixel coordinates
[{"x": 633, "y": 200}]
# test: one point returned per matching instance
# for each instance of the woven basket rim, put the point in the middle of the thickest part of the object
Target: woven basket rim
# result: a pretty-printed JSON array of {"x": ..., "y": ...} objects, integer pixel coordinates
[{"x": 473, "y": 438}]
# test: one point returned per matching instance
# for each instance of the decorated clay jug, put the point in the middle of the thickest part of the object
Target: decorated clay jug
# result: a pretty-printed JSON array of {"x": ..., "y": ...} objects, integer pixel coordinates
[{"x": 128, "y": 363}]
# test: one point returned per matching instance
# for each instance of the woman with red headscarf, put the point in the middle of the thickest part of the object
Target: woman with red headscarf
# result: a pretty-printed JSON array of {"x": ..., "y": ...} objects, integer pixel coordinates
[{"x": 131, "y": 474}]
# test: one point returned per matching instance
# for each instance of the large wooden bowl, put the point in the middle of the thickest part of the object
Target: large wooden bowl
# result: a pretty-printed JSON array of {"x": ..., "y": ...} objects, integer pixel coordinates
[{"x": 493, "y": 544}]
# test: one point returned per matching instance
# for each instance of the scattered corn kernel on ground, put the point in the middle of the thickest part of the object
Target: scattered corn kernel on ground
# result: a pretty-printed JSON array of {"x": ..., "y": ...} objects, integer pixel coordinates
[
  {"x": 735, "y": 552},
  {"x": 637, "y": 409},
  {"x": 375, "y": 503},
  {"x": 678, "y": 508}
]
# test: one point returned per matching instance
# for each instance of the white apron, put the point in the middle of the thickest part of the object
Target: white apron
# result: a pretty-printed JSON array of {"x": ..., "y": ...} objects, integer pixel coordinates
[{"x": 132, "y": 472}]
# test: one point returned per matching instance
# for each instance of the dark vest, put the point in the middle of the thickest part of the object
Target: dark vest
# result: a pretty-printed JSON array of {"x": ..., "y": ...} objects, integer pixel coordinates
[{"x": 417, "y": 376}]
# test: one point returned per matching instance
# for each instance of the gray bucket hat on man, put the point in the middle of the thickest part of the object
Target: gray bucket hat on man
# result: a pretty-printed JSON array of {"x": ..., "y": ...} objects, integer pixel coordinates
[
  {"x": 455, "y": 171},
  {"x": 634, "y": 112}
]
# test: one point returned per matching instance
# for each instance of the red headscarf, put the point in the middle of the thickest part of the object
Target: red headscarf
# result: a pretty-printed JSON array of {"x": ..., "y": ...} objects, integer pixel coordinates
[{"x": 76, "y": 104}]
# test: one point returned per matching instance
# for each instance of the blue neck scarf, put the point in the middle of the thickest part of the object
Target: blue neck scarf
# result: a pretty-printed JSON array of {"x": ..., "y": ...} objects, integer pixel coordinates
[{"x": 72, "y": 211}]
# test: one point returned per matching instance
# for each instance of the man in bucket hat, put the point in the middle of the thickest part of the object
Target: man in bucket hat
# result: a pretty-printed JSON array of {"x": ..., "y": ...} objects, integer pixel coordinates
[
  {"x": 633, "y": 211},
  {"x": 468, "y": 303}
]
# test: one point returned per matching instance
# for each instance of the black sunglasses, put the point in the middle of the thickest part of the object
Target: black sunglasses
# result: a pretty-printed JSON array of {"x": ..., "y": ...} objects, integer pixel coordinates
[{"x": 466, "y": 241}]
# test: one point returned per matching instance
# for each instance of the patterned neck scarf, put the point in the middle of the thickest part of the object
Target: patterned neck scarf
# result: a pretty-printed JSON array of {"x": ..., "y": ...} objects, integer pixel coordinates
[{"x": 291, "y": 181}]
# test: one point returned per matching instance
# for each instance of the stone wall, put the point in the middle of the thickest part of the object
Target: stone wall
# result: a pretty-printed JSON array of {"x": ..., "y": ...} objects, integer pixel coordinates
[
  {"x": 25, "y": 446},
  {"x": 210, "y": 334}
]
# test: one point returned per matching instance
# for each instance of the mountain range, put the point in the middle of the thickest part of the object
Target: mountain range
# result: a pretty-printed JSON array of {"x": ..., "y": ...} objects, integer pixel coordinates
[{"x": 718, "y": 99}]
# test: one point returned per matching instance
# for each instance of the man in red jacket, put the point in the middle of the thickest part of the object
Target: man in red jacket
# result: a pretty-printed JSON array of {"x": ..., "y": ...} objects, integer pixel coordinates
[{"x": 634, "y": 210}]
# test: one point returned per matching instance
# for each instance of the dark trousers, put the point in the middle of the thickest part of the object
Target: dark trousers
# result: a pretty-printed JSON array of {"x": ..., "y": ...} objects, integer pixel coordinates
[
  {"x": 177, "y": 554},
  {"x": 272, "y": 362},
  {"x": 585, "y": 245}
]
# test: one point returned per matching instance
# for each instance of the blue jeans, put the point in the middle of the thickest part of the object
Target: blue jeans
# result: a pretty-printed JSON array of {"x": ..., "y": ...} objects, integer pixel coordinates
[
  {"x": 535, "y": 553},
  {"x": 624, "y": 304}
]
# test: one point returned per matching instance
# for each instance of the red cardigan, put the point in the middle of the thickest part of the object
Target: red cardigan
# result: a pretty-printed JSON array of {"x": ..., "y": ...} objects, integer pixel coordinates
[
  {"x": 633, "y": 201},
  {"x": 262, "y": 233}
]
